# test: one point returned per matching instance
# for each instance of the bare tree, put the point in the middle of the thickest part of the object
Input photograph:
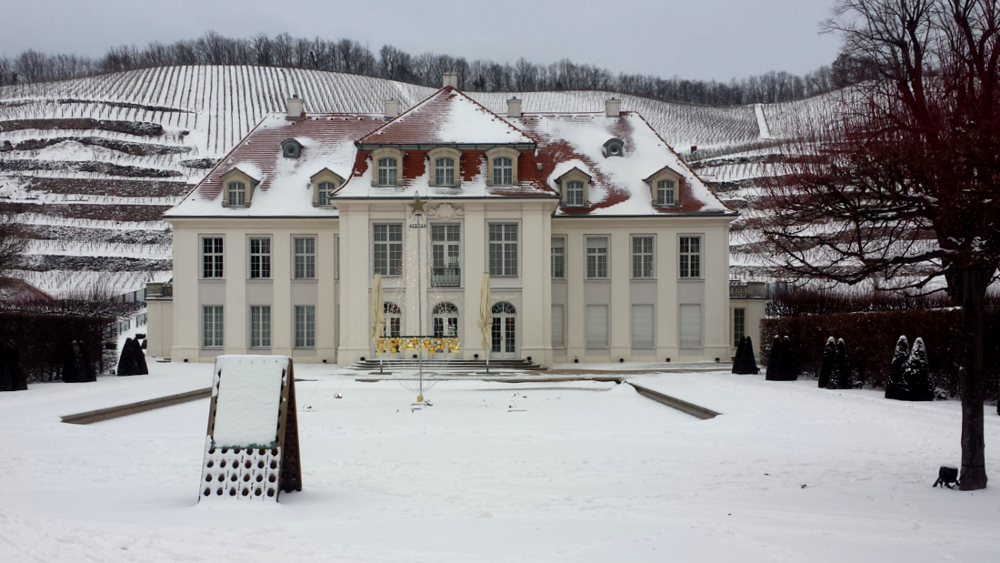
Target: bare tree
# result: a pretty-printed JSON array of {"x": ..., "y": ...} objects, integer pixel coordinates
[
  {"x": 12, "y": 245},
  {"x": 902, "y": 188}
]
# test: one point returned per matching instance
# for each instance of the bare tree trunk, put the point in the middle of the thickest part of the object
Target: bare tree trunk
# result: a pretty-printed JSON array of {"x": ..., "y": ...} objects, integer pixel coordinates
[{"x": 974, "y": 283}]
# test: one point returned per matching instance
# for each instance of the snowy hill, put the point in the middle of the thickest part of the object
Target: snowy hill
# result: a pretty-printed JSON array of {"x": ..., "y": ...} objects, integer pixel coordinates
[{"x": 90, "y": 164}]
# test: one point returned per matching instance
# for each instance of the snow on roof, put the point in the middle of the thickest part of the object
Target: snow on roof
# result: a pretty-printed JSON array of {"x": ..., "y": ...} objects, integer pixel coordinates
[
  {"x": 447, "y": 117},
  {"x": 284, "y": 187},
  {"x": 342, "y": 143},
  {"x": 617, "y": 183}
]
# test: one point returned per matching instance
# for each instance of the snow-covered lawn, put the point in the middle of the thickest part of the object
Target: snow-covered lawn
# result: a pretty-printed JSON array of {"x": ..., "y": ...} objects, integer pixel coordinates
[{"x": 579, "y": 471}]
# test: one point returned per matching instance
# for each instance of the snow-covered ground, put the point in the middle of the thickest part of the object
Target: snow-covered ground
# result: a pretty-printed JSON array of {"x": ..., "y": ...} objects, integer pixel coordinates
[{"x": 579, "y": 471}]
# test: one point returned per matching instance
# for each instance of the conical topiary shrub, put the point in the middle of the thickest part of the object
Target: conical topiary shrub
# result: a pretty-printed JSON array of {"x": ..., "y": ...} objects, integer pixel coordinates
[
  {"x": 738, "y": 360},
  {"x": 772, "y": 360},
  {"x": 786, "y": 363},
  {"x": 917, "y": 385},
  {"x": 749, "y": 365},
  {"x": 133, "y": 360},
  {"x": 76, "y": 366},
  {"x": 894, "y": 388},
  {"x": 826, "y": 368},
  {"x": 841, "y": 378},
  {"x": 14, "y": 375}
]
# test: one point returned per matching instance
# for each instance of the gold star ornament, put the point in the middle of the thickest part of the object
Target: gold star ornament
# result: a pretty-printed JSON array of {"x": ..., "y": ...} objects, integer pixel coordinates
[{"x": 417, "y": 205}]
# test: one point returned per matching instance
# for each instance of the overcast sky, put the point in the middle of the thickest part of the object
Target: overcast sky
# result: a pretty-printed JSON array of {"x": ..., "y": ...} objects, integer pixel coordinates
[{"x": 698, "y": 39}]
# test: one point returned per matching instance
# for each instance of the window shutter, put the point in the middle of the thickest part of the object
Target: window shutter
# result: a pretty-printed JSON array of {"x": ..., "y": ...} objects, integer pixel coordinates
[
  {"x": 642, "y": 326},
  {"x": 690, "y": 317},
  {"x": 597, "y": 326},
  {"x": 558, "y": 327}
]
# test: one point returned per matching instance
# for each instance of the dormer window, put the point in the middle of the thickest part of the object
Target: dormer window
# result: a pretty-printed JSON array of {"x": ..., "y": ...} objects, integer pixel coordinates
[
  {"x": 388, "y": 167},
  {"x": 574, "y": 193},
  {"x": 387, "y": 171},
  {"x": 575, "y": 187},
  {"x": 614, "y": 147},
  {"x": 238, "y": 188},
  {"x": 502, "y": 166},
  {"x": 324, "y": 183},
  {"x": 290, "y": 148},
  {"x": 444, "y": 166},
  {"x": 503, "y": 171},
  {"x": 237, "y": 194},
  {"x": 324, "y": 193},
  {"x": 666, "y": 193},
  {"x": 664, "y": 185}
]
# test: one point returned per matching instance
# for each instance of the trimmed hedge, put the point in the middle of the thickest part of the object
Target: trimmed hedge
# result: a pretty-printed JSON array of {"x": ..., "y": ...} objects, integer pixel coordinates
[
  {"x": 871, "y": 339},
  {"x": 44, "y": 342}
]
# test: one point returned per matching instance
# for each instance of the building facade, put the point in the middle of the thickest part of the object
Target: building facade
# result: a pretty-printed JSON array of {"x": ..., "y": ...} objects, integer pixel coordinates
[{"x": 600, "y": 243}]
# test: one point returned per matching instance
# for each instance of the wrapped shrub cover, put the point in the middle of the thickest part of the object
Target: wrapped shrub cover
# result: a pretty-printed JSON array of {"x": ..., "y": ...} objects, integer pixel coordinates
[
  {"x": 894, "y": 386},
  {"x": 829, "y": 355},
  {"x": 841, "y": 378}
]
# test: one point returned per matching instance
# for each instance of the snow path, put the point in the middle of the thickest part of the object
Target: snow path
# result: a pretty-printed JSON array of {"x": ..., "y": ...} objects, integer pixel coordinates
[
  {"x": 579, "y": 471},
  {"x": 765, "y": 131}
]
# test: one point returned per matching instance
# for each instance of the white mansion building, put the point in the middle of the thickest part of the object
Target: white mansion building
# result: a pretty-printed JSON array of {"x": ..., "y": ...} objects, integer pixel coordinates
[{"x": 601, "y": 244}]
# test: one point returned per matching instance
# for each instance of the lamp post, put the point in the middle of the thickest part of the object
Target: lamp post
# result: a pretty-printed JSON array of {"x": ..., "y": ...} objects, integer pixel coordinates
[{"x": 417, "y": 208}]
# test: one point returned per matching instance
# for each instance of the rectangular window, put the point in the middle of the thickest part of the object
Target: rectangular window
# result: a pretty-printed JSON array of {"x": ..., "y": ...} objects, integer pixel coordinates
[
  {"x": 211, "y": 335},
  {"x": 305, "y": 326},
  {"x": 597, "y": 257},
  {"x": 305, "y": 257},
  {"x": 503, "y": 171},
  {"x": 211, "y": 257},
  {"x": 642, "y": 257},
  {"x": 558, "y": 326},
  {"x": 325, "y": 196},
  {"x": 574, "y": 193},
  {"x": 665, "y": 192},
  {"x": 237, "y": 194},
  {"x": 690, "y": 257},
  {"x": 388, "y": 250},
  {"x": 446, "y": 255},
  {"x": 260, "y": 257},
  {"x": 260, "y": 326},
  {"x": 444, "y": 171},
  {"x": 558, "y": 257},
  {"x": 739, "y": 325},
  {"x": 690, "y": 319},
  {"x": 503, "y": 249},
  {"x": 597, "y": 326},
  {"x": 642, "y": 326},
  {"x": 387, "y": 172}
]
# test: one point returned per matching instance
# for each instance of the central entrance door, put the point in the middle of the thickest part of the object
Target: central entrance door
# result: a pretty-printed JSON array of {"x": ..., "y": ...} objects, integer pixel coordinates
[{"x": 504, "y": 331}]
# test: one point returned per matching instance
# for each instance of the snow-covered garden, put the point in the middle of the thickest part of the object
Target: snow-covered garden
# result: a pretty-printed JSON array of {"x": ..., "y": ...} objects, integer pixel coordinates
[{"x": 495, "y": 471}]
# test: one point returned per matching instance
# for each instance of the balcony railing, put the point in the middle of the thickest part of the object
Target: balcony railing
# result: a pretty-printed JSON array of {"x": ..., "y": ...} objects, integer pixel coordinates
[{"x": 446, "y": 277}]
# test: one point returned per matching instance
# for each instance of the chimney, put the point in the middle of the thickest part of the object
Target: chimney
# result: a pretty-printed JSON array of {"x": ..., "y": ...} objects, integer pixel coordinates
[
  {"x": 613, "y": 108},
  {"x": 514, "y": 107},
  {"x": 391, "y": 109},
  {"x": 449, "y": 79},
  {"x": 295, "y": 107}
]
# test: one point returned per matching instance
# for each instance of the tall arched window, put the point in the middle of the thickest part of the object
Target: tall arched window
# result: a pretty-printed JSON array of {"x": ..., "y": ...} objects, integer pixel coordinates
[
  {"x": 387, "y": 171},
  {"x": 445, "y": 320},
  {"x": 393, "y": 318},
  {"x": 504, "y": 331}
]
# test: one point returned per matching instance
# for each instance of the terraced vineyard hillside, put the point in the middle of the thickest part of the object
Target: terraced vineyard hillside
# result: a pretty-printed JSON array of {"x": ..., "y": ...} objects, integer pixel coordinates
[{"x": 90, "y": 164}]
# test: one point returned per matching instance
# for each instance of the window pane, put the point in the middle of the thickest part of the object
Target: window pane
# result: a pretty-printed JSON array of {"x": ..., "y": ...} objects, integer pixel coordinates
[
  {"x": 305, "y": 326},
  {"x": 739, "y": 325},
  {"x": 558, "y": 257},
  {"x": 558, "y": 327},
  {"x": 597, "y": 326},
  {"x": 597, "y": 257},
  {"x": 690, "y": 320},
  {"x": 642, "y": 326}
]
